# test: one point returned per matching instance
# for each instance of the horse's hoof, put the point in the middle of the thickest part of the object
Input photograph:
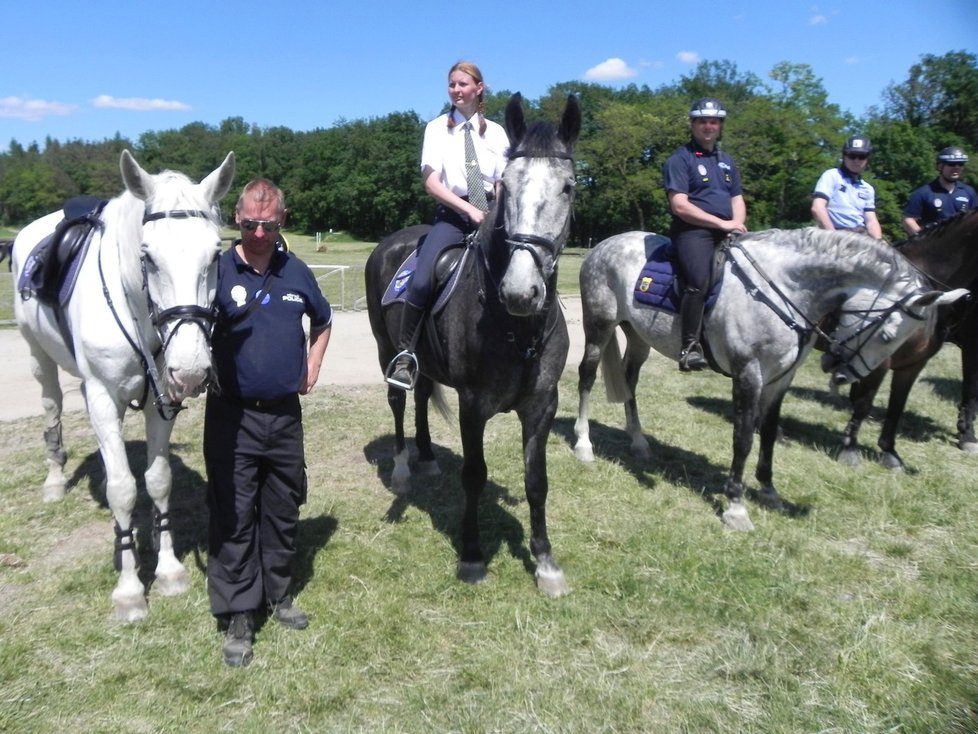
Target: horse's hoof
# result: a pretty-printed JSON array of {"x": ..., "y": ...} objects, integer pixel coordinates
[
  {"x": 429, "y": 468},
  {"x": 52, "y": 493},
  {"x": 850, "y": 457},
  {"x": 770, "y": 499},
  {"x": 891, "y": 462},
  {"x": 172, "y": 584},
  {"x": 969, "y": 446},
  {"x": 471, "y": 572},
  {"x": 641, "y": 451},
  {"x": 552, "y": 582},
  {"x": 584, "y": 453},
  {"x": 127, "y": 611},
  {"x": 737, "y": 518}
]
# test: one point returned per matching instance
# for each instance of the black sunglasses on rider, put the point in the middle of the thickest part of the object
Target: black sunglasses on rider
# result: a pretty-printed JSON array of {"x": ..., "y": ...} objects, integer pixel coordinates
[
  {"x": 857, "y": 156},
  {"x": 269, "y": 225}
]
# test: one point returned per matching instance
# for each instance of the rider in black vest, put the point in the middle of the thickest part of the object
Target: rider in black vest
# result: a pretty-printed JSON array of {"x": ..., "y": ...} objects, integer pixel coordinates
[{"x": 707, "y": 204}]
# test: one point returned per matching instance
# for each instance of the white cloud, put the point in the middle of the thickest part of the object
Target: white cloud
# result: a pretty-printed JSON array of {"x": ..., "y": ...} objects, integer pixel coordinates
[
  {"x": 688, "y": 57},
  {"x": 137, "y": 104},
  {"x": 609, "y": 71},
  {"x": 853, "y": 60},
  {"x": 32, "y": 110},
  {"x": 818, "y": 19}
]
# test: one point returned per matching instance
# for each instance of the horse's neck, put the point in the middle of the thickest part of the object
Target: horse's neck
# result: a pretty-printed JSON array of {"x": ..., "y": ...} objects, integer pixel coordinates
[{"x": 950, "y": 257}]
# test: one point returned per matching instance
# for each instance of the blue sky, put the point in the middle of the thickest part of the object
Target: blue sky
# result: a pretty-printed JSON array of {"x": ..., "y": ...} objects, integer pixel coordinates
[{"x": 87, "y": 70}]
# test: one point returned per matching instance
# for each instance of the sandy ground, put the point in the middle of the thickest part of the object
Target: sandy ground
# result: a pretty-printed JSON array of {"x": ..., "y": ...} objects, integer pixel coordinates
[{"x": 350, "y": 360}]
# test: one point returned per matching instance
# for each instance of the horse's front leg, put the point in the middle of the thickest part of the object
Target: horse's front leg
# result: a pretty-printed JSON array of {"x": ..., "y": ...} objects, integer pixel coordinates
[
  {"x": 861, "y": 397},
  {"x": 472, "y": 564},
  {"x": 969, "y": 386},
  {"x": 746, "y": 398},
  {"x": 770, "y": 417},
  {"x": 536, "y": 425},
  {"x": 171, "y": 575},
  {"x": 901, "y": 382},
  {"x": 586, "y": 375},
  {"x": 129, "y": 596}
]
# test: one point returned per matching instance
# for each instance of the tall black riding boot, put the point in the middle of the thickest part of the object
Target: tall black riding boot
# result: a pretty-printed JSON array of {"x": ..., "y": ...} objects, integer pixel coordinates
[
  {"x": 403, "y": 369},
  {"x": 691, "y": 357}
]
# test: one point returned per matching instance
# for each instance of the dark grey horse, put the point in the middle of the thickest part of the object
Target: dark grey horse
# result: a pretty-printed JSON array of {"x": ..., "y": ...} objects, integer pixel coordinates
[
  {"x": 778, "y": 286},
  {"x": 501, "y": 340}
]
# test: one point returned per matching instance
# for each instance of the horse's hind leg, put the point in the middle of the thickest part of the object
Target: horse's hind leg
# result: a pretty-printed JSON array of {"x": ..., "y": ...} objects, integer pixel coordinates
[
  {"x": 401, "y": 476},
  {"x": 171, "y": 575},
  {"x": 45, "y": 371},
  {"x": 427, "y": 464},
  {"x": 969, "y": 387},
  {"x": 636, "y": 353}
]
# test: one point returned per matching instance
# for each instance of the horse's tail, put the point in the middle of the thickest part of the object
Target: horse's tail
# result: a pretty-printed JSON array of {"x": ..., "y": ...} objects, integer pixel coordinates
[
  {"x": 612, "y": 367},
  {"x": 441, "y": 403}
]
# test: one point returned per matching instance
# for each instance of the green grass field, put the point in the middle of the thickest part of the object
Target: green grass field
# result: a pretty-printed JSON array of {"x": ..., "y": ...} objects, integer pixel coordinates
[{"x": 857, "y": 613}]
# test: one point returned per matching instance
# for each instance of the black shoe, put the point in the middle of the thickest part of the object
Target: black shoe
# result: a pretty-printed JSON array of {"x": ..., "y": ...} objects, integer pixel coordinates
[
  {"x": 289, "y": 616},
  {"x": 238, "y": 640},
  {"x": 691, "y": 359},
  {"x": 402, "y": 371}
]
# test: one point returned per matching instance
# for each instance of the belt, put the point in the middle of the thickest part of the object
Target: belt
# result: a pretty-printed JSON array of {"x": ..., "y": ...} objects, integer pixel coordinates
[{"x": 261, "y": 404}]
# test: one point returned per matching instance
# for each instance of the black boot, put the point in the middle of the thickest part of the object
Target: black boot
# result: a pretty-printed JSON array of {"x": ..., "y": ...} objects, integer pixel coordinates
[
  {"x": 403, "y": 369},
  {"x": 691, "y": 357}
]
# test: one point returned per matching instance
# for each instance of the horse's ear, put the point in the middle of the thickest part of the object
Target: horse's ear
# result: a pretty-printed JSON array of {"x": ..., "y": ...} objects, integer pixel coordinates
[
  {"x": 218, "y": 182},
  {"x": 515, "y": 122},
  {"x": 570, "y": 123},
  {"x": 135, "y": 178}
]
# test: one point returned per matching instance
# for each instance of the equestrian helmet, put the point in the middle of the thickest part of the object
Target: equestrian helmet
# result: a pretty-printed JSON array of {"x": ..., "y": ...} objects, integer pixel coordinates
[
  {"x": 707, "y": 107},
  {"x": 857, "y": 144},
  {"x": 954, "y": 154}
]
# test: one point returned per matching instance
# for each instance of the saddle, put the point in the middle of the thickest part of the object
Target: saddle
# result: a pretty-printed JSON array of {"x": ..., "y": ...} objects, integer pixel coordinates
[
  {"x": 659, "y": 285},
  {"x": 446, "y": 271},
  {"x": 51, "y": 268}
]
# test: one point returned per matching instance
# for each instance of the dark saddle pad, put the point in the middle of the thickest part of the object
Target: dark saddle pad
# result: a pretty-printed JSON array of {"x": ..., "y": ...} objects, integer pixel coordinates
[
  {"x": 51, "y": 268},
  {"x": 447, "y": 269},
  {"x": 658, "y": 284}
]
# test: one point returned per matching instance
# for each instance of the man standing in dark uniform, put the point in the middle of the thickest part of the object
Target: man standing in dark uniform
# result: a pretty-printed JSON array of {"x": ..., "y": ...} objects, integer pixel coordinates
[
  {"x": 943, "y": 197},
  {"x": 707, "y": 204},
  {"x": 253, "y": 439}
]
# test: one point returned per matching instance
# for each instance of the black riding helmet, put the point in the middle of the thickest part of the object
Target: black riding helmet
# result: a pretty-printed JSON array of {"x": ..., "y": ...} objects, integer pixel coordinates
[
  {"x": 953, "y": 154},
  {"x": 857, "y": 144},
  {"x": 707, "y": 107}
]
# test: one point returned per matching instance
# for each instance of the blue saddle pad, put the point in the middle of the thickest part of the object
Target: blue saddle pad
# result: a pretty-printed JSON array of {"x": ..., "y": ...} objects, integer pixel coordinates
[
  {"x": 658, "y": 284},
  {"x": 397, "y": 288}
]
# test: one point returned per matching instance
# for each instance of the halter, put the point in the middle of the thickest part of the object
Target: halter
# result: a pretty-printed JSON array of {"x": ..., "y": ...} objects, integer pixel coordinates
[
  {"x": 199, "y": 315},
  {"x": 872, "y": 318}
]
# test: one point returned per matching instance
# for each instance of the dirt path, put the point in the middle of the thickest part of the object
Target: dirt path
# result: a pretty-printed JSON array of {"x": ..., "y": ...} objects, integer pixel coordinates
[{"x": 350, "y": 360}]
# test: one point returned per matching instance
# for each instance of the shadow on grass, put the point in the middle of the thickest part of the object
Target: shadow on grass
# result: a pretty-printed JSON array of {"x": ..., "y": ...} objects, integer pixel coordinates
[
  {"x": 443, "y": 499},
  {"x": 188, "y": 514}
]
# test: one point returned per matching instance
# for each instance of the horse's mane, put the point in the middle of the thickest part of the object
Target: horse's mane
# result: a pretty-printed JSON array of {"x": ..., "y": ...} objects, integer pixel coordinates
[
  {"x": 859, "y": 251},
  {"x": 963, "y": 224}
]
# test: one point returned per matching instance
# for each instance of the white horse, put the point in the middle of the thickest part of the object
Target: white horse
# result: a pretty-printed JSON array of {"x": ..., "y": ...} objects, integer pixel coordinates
[
  {"x": 136, "y": 330},
  {"x": 779, "y": 285}
]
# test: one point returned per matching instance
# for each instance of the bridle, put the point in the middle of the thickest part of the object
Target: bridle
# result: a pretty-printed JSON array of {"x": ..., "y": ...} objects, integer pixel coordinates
[
  {"x": 204, "y": 317},
  {"x": 871, "y": 319},
  {"x": 532, "y": 243}
]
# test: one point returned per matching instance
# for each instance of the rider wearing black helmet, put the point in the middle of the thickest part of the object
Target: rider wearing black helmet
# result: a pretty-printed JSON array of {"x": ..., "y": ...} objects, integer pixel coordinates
[
  {"x": 943, "y": 197},
  {"x": 842, "y": 199},
  {"x": 707, "y": 204}
]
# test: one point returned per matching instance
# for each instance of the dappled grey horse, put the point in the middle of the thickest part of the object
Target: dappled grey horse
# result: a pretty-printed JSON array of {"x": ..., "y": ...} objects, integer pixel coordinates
[{"x": 778, "y": 286}]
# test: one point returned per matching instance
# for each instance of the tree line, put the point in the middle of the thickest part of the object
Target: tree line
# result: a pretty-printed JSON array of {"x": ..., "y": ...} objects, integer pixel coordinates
[{"x": 363, "y": 176}]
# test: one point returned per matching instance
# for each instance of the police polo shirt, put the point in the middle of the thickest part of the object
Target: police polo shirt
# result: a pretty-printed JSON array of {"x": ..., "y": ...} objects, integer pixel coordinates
[
  {"x": 849, "y": 198},
  {"x": 709, "y": 179},
  {"x": 932, "y": 202},
  {"x": 263, "y": 356}
]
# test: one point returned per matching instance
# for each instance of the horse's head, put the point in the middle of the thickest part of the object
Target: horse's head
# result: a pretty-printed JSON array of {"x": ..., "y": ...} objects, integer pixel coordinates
[
  {"x": 537, "y": 201},
  {"x": 871, "y": 326},
  {"x": 181, "y": 240}
]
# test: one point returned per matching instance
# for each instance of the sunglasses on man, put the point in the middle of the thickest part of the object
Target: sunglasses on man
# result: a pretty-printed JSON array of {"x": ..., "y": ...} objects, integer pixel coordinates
[
  {"x": 857, "y": 156},
  {"x": 269, "y": 225}
]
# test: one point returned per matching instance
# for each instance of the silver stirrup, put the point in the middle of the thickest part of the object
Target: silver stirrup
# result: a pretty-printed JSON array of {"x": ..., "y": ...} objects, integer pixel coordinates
[{"x": 390, "y": 371}]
